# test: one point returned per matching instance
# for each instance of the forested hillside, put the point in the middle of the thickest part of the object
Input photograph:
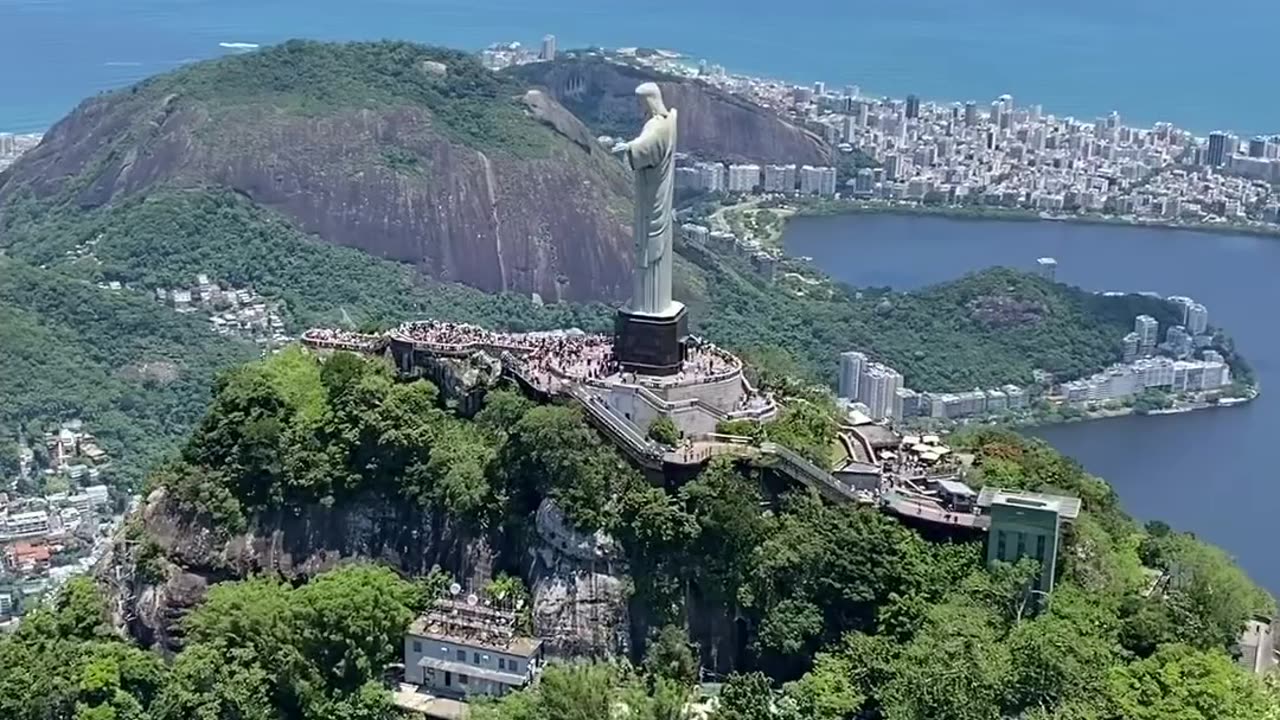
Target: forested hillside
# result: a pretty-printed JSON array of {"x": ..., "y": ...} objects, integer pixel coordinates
[
  {"x": 982, "y": 330},
  {"x": 848, "y": 612},
  {"x": 165, "y": 239},
  {"x": 137, "y": 373}
]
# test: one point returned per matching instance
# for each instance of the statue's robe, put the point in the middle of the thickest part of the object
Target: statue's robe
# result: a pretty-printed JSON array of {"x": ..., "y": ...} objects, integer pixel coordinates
[{"x": 652, "y": 157}]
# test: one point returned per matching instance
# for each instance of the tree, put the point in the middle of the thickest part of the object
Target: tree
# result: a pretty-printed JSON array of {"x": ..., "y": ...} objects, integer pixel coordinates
[
  {"x": 746, "y": 696},
  {"x": 313, "y": 650},
  {"x": 1181, "y": 682},
  {"x": 807, "y": 428},
  {"x": 551, "y": 452},
  {"x": 350, "y": 623},
  {"x": 956, "y": 669},
  {"x": 565, "y": 692},
  {"x": 829, "y": 691},
  {"x": 725, "y": 505},
  {"x": 669, "y": 657},
  {"x": 1063, "y": 654},
  {"x": 1209, "y": 597},
  {"x": 664, "y": 431},
  {"x": 81, "y": 611},
  {"x": 503, "y": 408},
  {"x": 827, "y": 570},
  {"x": 118, "y": 682},
  {"x": 208, "y": 683}
]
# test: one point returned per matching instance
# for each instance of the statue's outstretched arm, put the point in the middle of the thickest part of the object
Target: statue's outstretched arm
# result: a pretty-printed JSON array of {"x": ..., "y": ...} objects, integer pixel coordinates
[{"x": 647, "y": 149}]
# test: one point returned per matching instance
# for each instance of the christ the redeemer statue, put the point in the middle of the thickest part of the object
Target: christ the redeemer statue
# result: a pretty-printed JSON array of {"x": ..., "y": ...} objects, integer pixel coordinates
[{"x": 652, "y": 158}]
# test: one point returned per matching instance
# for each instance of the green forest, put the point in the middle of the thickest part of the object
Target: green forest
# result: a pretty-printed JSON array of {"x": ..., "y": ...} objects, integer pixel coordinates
[
  {"x": 469, "y": 103},
  {"x": 137, "y": 373},
  {"x": 983, "y": 330},
  {"x": 850, "y": 614},
  {"x": 72, "y": 349},
  {"x": 996, "y": 325},
  {"x": 846, "y": 613}
]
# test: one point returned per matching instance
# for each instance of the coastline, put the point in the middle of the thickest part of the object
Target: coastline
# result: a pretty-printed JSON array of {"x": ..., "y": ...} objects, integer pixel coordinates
[
  {"x": 824, "y": 208},
  {"x": 1101, "y": 414},
  {"x": 1042, "y": 420},
  {"x": 821, "y": 208}
]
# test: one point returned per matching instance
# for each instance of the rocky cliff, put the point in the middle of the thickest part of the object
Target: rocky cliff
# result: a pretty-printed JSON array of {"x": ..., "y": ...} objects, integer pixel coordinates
[
  {"x": 713, "y": 124},
  {"x": 579, "y": 606},
  {"x": 409, "y": 153}
]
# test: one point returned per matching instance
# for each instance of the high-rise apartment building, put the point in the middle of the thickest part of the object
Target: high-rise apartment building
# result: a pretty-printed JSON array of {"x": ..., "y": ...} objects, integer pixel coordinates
[
  {"x": 1217, "y": 154},
  {"x": 851, "y": 365},
  {"x": 548, "y": 48},
  {"x": 878, "y": 389},
  {"x": 864, "y": 182},
  {"x": 1132, "y": 343},
  {"x": 1178, "y": 340},
  {"x": 1184, "y": 303},
  {"x": 744, "y": 178},
  {"x": 712, "y": 176},
  {"x": 863, "y": 112},
  {"x": 913, "y": 107},
  {"x": 848, "y": 128},
  {"x": 1197, "y": 319},
  {"x": 817, "y": 180},
  {"x": 1148, "y": 333},
  {"x": 780, "y": 178}
]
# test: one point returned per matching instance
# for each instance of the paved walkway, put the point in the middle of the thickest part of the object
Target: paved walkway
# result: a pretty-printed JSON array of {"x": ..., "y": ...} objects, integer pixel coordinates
[{"x": 414, "y": 699}]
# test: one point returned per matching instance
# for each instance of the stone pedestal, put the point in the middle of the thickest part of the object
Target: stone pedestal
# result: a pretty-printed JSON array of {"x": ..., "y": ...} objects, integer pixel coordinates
[{"x": 651, "y": 344}]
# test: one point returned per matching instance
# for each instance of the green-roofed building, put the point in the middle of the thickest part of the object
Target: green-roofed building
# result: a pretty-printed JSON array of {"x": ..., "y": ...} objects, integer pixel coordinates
[{"x": 1026, "y": 524}]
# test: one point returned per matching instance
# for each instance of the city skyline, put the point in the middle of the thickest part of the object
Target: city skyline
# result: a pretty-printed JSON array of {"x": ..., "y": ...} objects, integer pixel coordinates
[{"x": 1021, "y": 157}]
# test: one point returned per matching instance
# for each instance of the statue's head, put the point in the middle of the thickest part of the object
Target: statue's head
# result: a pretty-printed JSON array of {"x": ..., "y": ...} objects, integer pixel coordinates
[{"x": 651, "y": 99}]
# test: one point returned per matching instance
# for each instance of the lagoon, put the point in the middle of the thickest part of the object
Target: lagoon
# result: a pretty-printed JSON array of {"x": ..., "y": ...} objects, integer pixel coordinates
[{"x": 1212, "y": 472}]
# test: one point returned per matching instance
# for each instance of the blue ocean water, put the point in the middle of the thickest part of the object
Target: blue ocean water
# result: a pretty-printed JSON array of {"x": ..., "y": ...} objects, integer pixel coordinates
[{"x": 1201, "y": 65}]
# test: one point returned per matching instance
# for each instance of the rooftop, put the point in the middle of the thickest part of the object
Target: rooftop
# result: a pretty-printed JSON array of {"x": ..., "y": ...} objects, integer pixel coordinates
[
  {"x": 1067, "y": 507},
  {"x": 877, "y": 436},
  {"x": 955, "y": 487},
  {"x": 473, "y": 624}
]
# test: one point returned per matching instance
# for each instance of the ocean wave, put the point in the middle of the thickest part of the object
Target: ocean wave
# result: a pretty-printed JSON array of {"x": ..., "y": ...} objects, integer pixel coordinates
[
  {"x": 122, "y": 63},
  {"x": 238, "y": 45}
]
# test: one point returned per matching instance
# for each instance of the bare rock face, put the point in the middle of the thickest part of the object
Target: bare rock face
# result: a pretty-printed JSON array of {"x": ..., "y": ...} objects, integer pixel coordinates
[
  {"x": 156, "y": 610},
  {"x": 713, "y": 125},
  {"x": 295, "y": 544},
  {"x": 419, "y": 156},
  {"x": 580, "y": 613},
  {"x": 580, "y": 590},
  {"x": 579, "y": 595},
  {"x": 303, "y": 542}
]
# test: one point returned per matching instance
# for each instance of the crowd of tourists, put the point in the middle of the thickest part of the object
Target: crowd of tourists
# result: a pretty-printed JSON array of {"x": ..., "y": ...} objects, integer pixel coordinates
[
  {"x": 548, "y": 357},
  {"x": 460, "y": 336},
  {"x": 326, "y": 337}
]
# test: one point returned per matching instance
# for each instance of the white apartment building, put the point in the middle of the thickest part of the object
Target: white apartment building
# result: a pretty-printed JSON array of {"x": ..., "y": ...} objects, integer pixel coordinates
[
  {"x": 818, "y": 180},
  {"x": 878, "y": 389},
  {"x": 744, "y": 178},
  {"x": 780, "y": 178},
  {"x": 1197, "y": 319},
  {"x": 26, "y": 524},
  {"x": 851, "y": 366},
  {"x": 712, "y": 177},
  {"x": 1148, "y": 333}
]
